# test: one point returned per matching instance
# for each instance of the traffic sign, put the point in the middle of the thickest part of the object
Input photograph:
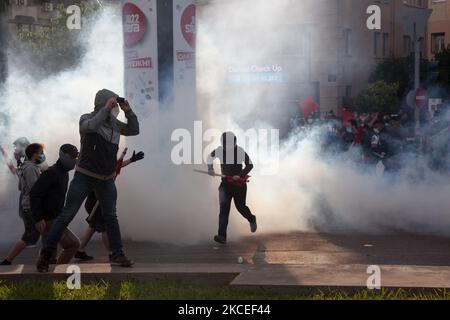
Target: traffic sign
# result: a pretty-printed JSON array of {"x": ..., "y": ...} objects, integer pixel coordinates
[{"x": 417, "y": 98}]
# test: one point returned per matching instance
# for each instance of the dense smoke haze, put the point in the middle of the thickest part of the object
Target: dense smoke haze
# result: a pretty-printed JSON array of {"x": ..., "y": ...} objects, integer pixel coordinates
[{"x": 159, "y": 201}]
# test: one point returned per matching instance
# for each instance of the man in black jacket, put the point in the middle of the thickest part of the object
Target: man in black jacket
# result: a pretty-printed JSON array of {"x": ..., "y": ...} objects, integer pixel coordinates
[
  {"x": 231, "y": 157},
  {"x": 47, "y": 199},
  {"x": 100, "y": 133}
]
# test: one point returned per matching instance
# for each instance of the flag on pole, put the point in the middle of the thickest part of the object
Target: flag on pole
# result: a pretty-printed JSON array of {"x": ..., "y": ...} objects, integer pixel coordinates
[{"x": 308, "y": 107}]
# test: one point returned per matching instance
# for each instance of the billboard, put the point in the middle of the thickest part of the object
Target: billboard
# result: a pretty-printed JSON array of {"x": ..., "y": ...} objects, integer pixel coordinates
[
  {"x": 141, "y": 55},
  {"x": 184, "y": 36}
]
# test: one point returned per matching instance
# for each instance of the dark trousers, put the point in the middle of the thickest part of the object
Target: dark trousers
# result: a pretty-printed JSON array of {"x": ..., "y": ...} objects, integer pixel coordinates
[
  {"x": 80, "y": 187},
  {"x": 228, "y": 192}
]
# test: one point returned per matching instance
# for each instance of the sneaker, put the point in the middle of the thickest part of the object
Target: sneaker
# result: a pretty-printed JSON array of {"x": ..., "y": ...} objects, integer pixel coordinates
[
  {"x": 43, "y": 263},
  {"x": 253, "y": 226},
  {"x": 220, "y": 239},
  {"x": 82, "y": 255},
  {"x": 122, "y": 261},
  {"x": 5, "y": 263}
]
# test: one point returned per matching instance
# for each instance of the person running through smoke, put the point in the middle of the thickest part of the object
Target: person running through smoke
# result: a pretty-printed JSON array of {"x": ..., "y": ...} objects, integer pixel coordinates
[
  {"x": 28, "y": 174},
  {"x": 231, "y": 157},
  {"x": 100, "y": 135},
  {"x": 47, "y": 200},
  {"x": 95, "y": 219}
]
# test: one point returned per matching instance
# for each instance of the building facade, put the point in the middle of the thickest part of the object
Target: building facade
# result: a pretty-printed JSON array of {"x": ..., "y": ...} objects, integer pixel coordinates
[
  {"x": 330, "y": 52},
  {"x": 438, "y": 30},
  {"x": 3, "y": 41},
  {"x": 30, "y": 15}
]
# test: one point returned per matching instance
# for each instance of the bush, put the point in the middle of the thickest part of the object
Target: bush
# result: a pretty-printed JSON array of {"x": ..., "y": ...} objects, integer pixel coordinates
[{"x": 378, "y": 97}]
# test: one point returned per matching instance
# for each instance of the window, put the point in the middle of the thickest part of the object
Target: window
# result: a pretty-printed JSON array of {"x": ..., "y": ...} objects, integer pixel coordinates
[
  {"x": 407, "y": 45},
  {"x": 385, "y": 44},
  {"x": 347, "y": 39},
  {"x": 437, "y": 42},
  {"x": 348, "y": 91},
  {"x": 376, "y": 43},
  {"x": 24, "y": 27}
]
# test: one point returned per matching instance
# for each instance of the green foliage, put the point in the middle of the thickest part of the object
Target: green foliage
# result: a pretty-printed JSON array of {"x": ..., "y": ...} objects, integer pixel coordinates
[
  {"x": 398, "y": 71},
  {"x": 168, "y": 290},
  {"x": 56, "y": 47},
  {"x": 444, "y": 67},
  {"x": 378, "y": 97},
  {"x": 393, "y": 71}
]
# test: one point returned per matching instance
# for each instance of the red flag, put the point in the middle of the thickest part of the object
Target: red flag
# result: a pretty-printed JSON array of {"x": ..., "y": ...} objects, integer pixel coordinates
[
  {"x": 347, "y": 116},
  {"x": 308, "y": 106}
]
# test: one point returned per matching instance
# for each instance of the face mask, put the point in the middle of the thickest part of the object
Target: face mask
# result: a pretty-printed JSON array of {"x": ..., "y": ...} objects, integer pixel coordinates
[
  {"x": 67, "y": 161},
  {"x": 115, "y": 112},
  {"x": 41, "y": 159},
  {"x": 43, "y": 166}
]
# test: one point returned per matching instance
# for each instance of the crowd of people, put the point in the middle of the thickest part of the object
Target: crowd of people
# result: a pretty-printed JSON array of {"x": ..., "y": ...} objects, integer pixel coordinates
[
  {"x": 48, "y": 204},
  {"x": 372, "y": 140}
]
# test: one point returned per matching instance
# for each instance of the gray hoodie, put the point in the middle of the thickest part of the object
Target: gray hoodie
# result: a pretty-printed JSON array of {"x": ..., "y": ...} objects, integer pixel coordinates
[
  {"x": 28, "y": 175},
  {"x": 100, "y": 135}
]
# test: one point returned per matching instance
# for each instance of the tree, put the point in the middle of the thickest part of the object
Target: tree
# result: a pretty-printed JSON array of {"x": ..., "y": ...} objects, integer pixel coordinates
[
  {"x": 378, "y": 97},
  {"x": 398, "y": 71},
  {"x": 56, "y": 47},
  {"x": 443, "y": 59}
]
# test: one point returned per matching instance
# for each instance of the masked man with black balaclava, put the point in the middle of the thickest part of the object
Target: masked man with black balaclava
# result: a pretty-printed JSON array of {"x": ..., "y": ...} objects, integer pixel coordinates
[
  {"x": 47, "y": 199},
  {"x": 231, "y": 157},
  {"x": 100, "y": 133}
]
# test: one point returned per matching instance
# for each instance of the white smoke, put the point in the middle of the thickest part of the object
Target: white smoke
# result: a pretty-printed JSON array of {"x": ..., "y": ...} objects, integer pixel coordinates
[
  {"x": 159, "y": 201},
  {"x": 48, "y": 110},
  {"x": 309, "y": 192}
]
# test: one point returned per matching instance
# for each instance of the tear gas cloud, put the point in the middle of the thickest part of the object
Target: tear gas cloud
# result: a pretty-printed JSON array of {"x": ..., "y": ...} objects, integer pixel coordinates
[
  {"x": 311, "y": 191},
  {"x": 159, "y": 201},
  {"x": 47, "y": 110}
]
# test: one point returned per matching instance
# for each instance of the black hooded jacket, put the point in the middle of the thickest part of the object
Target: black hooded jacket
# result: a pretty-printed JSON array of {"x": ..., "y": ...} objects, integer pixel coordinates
[
  {"x": 231, "y": 161},
  {"x": 48, "y": 194}
]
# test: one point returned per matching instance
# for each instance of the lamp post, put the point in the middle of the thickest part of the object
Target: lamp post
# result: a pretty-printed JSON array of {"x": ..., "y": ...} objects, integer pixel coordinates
[{"x": 414, "y": 21}]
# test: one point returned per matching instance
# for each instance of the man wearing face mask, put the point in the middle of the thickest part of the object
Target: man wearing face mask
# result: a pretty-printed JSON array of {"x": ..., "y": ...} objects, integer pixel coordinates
[
  {"x": 28, "y": 175},
  {"x": 231, "y": 157},
  {"x": 47, "y": 200},
  {"x": 100, "y": 133}
]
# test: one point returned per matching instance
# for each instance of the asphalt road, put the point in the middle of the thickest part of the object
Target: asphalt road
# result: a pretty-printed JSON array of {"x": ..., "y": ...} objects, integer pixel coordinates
[{"x": 288, "y": 249}]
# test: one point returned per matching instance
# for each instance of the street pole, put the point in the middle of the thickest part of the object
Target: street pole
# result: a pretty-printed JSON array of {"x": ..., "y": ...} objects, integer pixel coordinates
[{"x": 416, "y": 76}]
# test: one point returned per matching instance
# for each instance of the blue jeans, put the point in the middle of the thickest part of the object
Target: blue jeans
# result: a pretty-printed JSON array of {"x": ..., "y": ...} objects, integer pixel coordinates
[{"x": 80, "y": 187}]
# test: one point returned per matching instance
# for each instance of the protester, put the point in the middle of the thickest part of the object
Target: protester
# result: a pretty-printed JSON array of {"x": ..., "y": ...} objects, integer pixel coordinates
[
  {"x": 28, "y": 174},
  {"x": 47, "y": 200},
  {"x": 100, "y": 134},
  {"x": 95, "y": 220},
  {"x": 231, "y": 157}
]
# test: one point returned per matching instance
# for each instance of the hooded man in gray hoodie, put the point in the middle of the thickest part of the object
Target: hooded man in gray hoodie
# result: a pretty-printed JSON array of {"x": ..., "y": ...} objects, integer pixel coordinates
[{"x": 100, "y": 133}]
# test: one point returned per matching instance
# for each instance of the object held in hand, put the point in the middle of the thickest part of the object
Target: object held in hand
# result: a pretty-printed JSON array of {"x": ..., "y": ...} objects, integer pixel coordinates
[{"x": 241, "y": 182}]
